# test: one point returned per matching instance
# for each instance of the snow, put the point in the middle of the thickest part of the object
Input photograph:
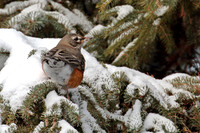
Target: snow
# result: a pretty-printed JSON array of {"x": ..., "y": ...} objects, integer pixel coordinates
[
  {"x": 121, "y": 36},
  {"x": 14, "y": 6},
  {"x": 21, "y": 72},
  {"x": 89, "y": 123},
  {"x": 157, "y": 122},
  {"x": 123, "y": 10},
  {"x": 156, "y": 22},
  {"x": 18, "y": 68},
  {"x": 97, "y": 29},
  {"x": 161, "y": 10},
  {"x": 53, "y": 98},
  {"x": 134, "y": 117},
  {"x": 7, "y": 129},
  {"x": 121, "y": 54},
  {"x": 66, "y": 127},
  {"x": 176, "y": 75},
  {"x": 38, "y": 127}
]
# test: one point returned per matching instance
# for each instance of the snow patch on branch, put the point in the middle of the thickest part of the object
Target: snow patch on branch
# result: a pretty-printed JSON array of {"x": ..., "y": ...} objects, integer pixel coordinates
[
  {"x": 133, "y": 116},
  {"x": 39, "y": 127},
  {"x": 156, "y": 22},
  {"x": 53, "y": 98},
  {"x": 97, "y": 29},
  {"x": 89, "y": 123},
  {"x": 161, "y": 10},
  {"x": 14, "y": 6},
  {"x": 7, "y": 129},
  {"x": 125, "y": 50},
  {"x": 123, "y": 10},
  {"x": 157, "y": 122}
]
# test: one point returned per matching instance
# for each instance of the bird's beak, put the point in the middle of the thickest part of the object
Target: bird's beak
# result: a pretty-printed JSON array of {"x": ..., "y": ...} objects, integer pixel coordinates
[{"x": 87, "y": 38}]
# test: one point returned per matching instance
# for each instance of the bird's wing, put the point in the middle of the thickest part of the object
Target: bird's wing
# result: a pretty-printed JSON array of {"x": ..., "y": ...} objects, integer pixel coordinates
[{"x": 73, "y": 57}]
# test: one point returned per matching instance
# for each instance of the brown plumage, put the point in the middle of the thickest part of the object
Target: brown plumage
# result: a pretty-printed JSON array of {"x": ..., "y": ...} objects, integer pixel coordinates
[{"x": 65, "y": 64}]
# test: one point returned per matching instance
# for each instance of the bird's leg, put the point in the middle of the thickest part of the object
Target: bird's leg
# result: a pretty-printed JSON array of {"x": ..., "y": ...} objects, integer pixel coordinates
[
  {"x": 54, "y": 123},
  {"x": 46, "y": 122},
  {"x": 68, "y": 95},
  {"x": 66, "y": 88}
]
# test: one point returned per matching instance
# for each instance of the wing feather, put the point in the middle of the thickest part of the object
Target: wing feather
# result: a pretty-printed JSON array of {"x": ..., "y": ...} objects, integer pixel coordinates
[{"x": 68, "y": 56}]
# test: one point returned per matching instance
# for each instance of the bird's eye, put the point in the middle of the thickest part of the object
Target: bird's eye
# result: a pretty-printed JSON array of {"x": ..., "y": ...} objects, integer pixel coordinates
[{"x": 75, "y": 38}]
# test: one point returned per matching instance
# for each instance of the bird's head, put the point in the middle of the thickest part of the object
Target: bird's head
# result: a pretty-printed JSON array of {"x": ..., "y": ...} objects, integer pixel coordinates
[{"x": 73, "y": 40}]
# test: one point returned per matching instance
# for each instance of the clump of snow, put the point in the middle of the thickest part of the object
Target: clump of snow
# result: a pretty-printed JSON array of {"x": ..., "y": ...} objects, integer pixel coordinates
[
  {"x": 176, "y": 75},
  {"x": 38, "y": 127},
  {"x": 156, "y": 22},
  {"x": 97, "y": 29},
  {"x": 53, "y": 98},
  {"x": 133, "y": 116},
  {"x": 158, "y": 123},
  {"x": 161, "y": 10},
  {"x": 7, "y": 129},
  {"x": 123, "y": 10},
  {"x": 14, "y": 6}
]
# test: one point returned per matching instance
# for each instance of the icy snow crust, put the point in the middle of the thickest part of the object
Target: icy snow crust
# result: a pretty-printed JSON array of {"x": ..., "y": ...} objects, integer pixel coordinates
[{"x": 21, "y": 72}]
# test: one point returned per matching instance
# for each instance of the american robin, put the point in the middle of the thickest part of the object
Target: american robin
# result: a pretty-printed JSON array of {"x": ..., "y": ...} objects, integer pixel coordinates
[{"x": 65, "y": 64}]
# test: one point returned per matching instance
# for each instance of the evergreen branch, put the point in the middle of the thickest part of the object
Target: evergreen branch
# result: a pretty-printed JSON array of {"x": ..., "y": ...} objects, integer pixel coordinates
[
  {"x": 120, "y": 29},
  {"x": 124, "y": 52},
  {"x": 103, "y": 4},
  {"x": 32, "y": 52},
  {"x": 13, "y": 7},
  {"x": 71, "y": 114},
  {"x": 37, "y": 20},
  {"x": 7, "y": 115},
  {"x": 165, "y": 35},
  {"x": 196, "y": 3},
  {"x": 39, "y": 127},
  {"x": 107, "y": 115},
  {"x": 74, "y": 17},
  {"x": 88, "y": 121},
  {"x": 35, "y": 97},
  {"x": 4, "y": 52},
  {"x": 122, "y": 39}
]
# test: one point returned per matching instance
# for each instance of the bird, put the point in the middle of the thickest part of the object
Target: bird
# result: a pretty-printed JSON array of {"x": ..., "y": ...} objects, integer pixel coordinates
[{"x": 65, "y": 64}]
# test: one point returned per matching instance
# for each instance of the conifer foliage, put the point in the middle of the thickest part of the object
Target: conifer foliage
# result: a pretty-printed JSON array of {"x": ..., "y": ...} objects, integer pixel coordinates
[
  {"x": 44, "y": 18},
  {"x": 147, "y": 34}
]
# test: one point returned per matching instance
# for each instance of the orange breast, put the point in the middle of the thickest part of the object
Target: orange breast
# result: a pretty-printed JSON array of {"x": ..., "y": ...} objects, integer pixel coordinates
[{"x": 75, "y": 79}]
